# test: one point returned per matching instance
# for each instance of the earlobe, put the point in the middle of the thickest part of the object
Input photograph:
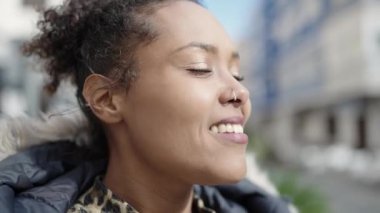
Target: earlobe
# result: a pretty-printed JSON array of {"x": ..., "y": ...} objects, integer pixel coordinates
[{"x": 98, "y": 93}]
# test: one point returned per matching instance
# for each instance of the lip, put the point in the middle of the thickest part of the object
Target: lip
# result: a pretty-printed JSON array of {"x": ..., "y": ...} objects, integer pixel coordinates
[{"x": 236, "y": 138}]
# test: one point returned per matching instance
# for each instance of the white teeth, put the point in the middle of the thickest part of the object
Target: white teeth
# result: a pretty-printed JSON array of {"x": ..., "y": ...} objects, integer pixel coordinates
[
  {"x": 214, "y": 129},
  {"x": 236, "y": 128},
  {"x": 227, "y": 128},
  {"x": 222, "y": 128}
]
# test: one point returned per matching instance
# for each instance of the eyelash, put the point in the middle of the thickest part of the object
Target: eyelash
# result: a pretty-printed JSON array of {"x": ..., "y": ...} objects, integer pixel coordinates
[
  {"x": 239, "y": 78},
  {"x": 199, "y": 71}
]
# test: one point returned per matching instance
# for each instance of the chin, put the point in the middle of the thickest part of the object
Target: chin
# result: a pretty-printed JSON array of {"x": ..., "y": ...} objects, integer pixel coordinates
[
  {"x": 225, "y": 173},
  {"x": 235, "y": 176}
]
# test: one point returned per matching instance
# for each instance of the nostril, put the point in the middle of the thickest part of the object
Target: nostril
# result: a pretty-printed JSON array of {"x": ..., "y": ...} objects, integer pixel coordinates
[
  {"x": 233, "y": 96},
  {"x": 235, "y": 101}
]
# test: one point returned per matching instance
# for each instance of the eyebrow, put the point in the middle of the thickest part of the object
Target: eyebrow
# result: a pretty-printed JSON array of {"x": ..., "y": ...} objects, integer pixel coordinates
[{"x": 206, "y": 47}]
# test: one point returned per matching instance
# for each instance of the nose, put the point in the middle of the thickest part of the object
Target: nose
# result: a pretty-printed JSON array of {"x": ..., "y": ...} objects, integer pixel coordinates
[{"x": 235, "y": 94}]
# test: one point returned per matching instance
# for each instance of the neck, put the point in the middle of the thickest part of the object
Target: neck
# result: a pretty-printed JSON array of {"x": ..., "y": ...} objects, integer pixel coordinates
[{"x": 144, "y": 188}]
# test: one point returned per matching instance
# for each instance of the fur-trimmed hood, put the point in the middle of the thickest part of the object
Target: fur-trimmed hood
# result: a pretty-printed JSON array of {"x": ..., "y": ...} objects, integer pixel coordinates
[{"x": 23, "y": 132}]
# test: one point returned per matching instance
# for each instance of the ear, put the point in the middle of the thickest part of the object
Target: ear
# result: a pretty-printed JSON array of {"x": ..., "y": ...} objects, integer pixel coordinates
[{"x": 99, "y": 94}]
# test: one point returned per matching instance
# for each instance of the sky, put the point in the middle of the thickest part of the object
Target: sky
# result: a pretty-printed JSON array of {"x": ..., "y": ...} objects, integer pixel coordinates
[{"x": 235, "y": 15}]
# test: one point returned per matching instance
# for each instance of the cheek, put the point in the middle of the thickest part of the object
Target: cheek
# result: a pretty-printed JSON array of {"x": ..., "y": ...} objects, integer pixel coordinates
[
  {"x": 171, "y": 113},
  {"x": 168, "y": 124},
  {"x": 183, "y": 100}
]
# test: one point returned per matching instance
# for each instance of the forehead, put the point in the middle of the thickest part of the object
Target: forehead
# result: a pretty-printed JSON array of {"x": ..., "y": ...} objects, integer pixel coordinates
[{"x": 183, "y": 22}]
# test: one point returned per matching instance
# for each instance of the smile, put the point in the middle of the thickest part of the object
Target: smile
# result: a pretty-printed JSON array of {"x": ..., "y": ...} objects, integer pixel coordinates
[
  {"x": 230, "y": 130},
  {"x": 227, "y": 128}
]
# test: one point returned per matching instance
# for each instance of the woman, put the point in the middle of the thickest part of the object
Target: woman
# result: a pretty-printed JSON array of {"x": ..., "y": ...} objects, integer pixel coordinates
[{"x": 159, "y": 82}]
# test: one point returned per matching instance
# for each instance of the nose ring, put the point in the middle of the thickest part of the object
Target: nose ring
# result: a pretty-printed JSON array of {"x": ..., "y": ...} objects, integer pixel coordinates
[{"x": 234, "y": 95}]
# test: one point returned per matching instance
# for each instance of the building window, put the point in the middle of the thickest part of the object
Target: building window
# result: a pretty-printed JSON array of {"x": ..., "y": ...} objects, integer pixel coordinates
[
  {"x": 361, "y": 125},
  {"x": 331, "y": 127}
]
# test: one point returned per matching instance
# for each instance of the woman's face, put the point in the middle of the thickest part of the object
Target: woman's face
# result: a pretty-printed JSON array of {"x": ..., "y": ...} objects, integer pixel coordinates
[{"x": 183, "y": 100}]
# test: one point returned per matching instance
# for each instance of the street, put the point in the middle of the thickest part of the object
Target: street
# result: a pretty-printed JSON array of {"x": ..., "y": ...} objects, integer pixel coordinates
[{"x": 345, "y": 195}]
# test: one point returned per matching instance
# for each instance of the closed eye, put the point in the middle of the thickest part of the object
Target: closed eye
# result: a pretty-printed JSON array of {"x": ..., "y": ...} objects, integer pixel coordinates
[{"x": 199, "y": 71}]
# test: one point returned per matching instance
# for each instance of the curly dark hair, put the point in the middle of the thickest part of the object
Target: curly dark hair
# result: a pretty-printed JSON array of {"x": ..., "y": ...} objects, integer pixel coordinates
[{"x": 93, "y": 36}]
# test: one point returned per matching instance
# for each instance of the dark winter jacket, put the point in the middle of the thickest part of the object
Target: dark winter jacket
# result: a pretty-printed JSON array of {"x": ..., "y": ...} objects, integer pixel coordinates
[{"x": 49, "y": 178}]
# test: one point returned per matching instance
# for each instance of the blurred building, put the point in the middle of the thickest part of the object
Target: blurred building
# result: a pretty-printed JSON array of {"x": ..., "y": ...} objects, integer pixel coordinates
[
  {"x": 316, "y": 75},
  {"x": 19, "y": 86}
]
